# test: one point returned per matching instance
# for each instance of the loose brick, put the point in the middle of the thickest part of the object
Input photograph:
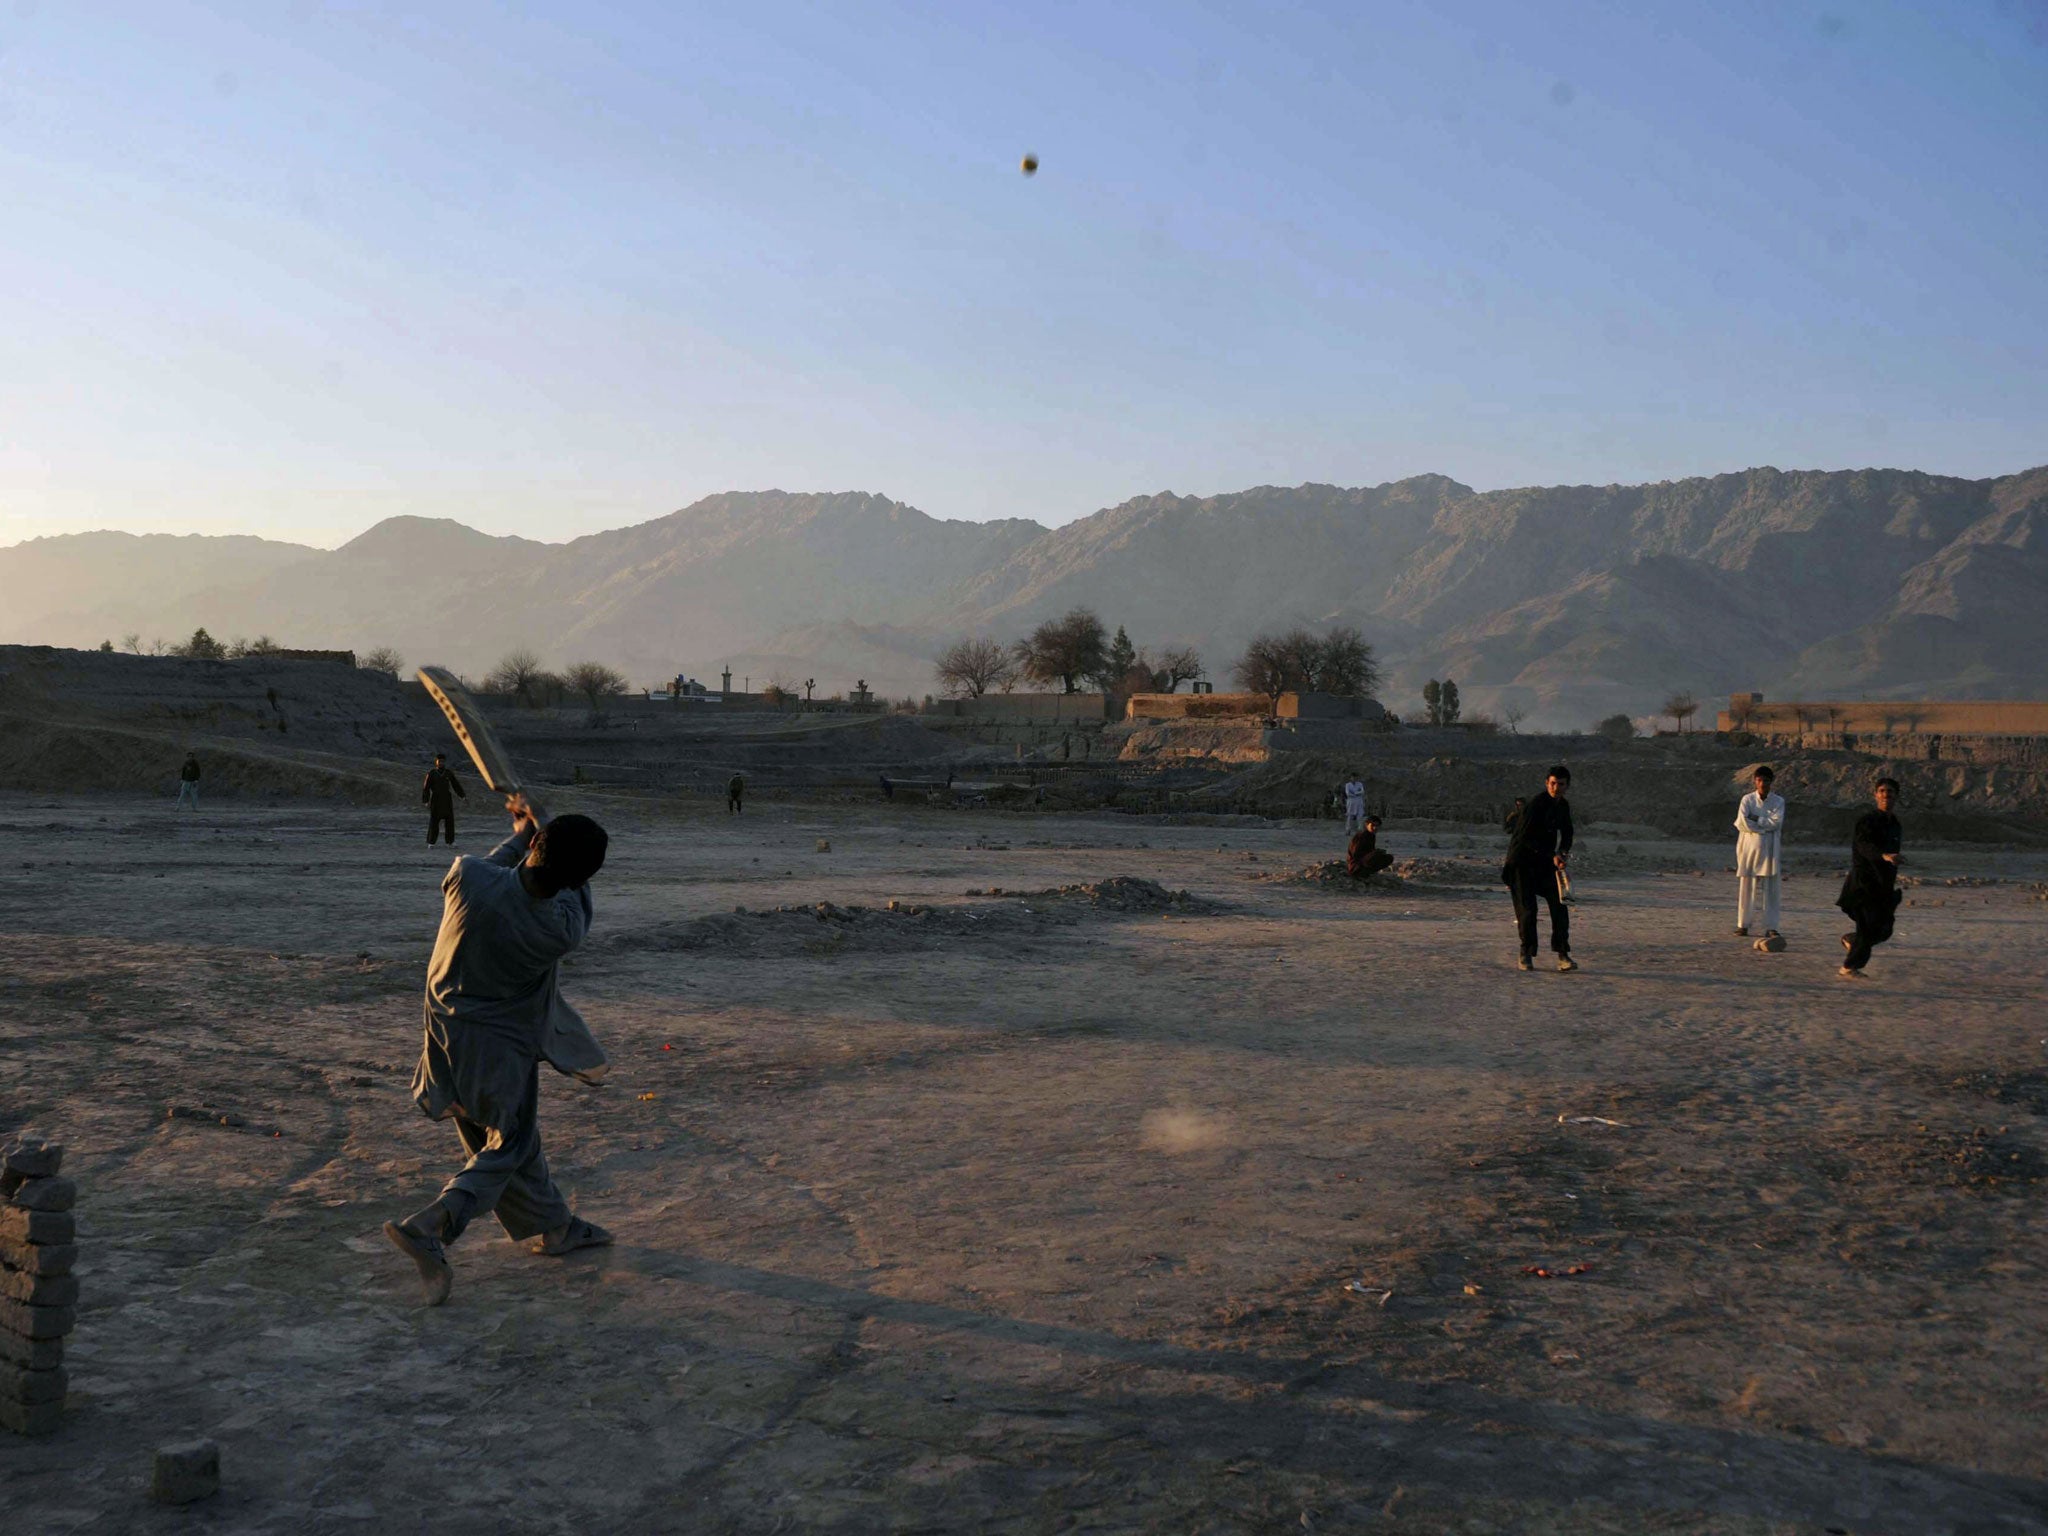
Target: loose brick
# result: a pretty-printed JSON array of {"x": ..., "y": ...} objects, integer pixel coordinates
[
  {"x": 39, "y": 1290},
  {"x": 180, "y": 1474},
  {"x": 33, "y": 1386},
  {"x": 33, "y": 1159},
  {"x": 31, "y": 1418},
  {"x": 38, "y": 1258},
  {"x": 45, "y": 1195},
  {"x": 22, "y": 1226},
  {"x": 30, "y": 1354},
  {"x": 33, "y": 1322}
]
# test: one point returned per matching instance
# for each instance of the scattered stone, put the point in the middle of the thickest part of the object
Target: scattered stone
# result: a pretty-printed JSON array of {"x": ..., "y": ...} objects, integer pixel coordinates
[
  {"x": 824, "y": 845},
  {"x": 33, "y": 1159},
  {"x": 31, "y": 1418},
  {"x": 22, "y": 1226},
  {"x": 39, "y": 1258},
  {"x": 26, "y": 1386},
  {"x": 39, "y": 1290},
  {"x": 45, "y": 1195},
  {"x": 184, "y": 1474},
  {"x": 36, "y": 1322},
  {"x": 30, "y": 1354},
  {"x": 1771, "y": 944}
]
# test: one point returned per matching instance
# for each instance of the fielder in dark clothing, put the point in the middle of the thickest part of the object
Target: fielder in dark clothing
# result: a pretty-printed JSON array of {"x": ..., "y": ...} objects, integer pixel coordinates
[
  {"x": 436, "y": 796},
  {"x": 1870, "y": 894},
  {"x": 1539, "y": 843},
  {"x": 735, "y": 791},
  {"x": 1364, "y": 858}
]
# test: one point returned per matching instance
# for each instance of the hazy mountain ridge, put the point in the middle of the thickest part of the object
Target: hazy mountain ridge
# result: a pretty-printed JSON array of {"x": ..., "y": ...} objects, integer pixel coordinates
[{"x": 1567, "y": 601}]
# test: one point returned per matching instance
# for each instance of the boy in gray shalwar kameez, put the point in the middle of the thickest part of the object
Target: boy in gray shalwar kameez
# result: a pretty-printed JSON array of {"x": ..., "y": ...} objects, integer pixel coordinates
[{"x": 494, "y": 1014}]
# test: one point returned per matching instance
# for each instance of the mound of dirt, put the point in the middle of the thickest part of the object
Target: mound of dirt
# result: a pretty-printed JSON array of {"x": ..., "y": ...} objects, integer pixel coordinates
[
  {"x": 826, "y": 928},
  {"x": 1119, "y": 893},
  {"x": 1404, "y": 875}
]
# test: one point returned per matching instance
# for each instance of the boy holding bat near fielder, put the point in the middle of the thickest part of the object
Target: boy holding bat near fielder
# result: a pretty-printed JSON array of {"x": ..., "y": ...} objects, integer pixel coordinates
[{"x": 494, "y": 1013}]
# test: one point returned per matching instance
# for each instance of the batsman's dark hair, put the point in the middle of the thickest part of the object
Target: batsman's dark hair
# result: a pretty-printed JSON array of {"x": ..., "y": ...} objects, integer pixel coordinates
[
  {"x": 1559, "y": 771},
  {"x": 1887, "y": 783},
  {"x": 567, "y": 852},
  {"x": 1372, "y": 820},
  {"x": 1765, "y": 772}
]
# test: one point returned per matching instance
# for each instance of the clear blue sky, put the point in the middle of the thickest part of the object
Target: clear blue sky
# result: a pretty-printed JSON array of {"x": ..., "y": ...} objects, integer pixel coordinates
[{"x": 291, "y": 267}]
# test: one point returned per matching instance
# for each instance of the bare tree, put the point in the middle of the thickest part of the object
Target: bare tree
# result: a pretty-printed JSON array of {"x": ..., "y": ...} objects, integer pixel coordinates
[
  {"x": 1514, "y": 714},
  {"x": 596, "y": 682},
  {"x": 520, "y": 675},
  {"x": 383, "y": 659},
  {"x": 1177, "y": 667},
  {"x": 262, "y": 645},
  {"x": 1681, "y": 707},
  {"x": 971, "y": 667},
  {"x": 1344, "y": 664},
  {"x": 1265, "y": 667},
  {"x": 1301, "y": 661},
  {"x": 132, "y": 644},
  {"x": 1065, "y": 650},
  {"x": 160, "y": 647}
]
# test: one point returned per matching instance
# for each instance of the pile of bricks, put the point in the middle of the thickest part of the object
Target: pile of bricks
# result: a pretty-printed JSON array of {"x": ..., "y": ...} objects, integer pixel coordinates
[{"x": 38, "y": 1291}]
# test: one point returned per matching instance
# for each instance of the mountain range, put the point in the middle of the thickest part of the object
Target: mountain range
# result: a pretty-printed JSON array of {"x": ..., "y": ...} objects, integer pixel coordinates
[{"x": 1564, "y": 603}]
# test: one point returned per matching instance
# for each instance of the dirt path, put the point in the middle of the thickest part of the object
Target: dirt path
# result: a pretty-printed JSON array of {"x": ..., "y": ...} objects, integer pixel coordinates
[{"x": 1031, "y": 1212}]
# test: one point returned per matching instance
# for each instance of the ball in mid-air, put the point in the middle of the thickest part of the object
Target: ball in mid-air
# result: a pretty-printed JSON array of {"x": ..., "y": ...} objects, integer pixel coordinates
[{"x": 1030, "y": 165}]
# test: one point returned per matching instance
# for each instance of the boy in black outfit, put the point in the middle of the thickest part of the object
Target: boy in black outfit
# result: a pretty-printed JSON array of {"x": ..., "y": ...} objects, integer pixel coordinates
[
  {"x": 1870, "y": 894},
  {"x": 1539, "y": 843}
]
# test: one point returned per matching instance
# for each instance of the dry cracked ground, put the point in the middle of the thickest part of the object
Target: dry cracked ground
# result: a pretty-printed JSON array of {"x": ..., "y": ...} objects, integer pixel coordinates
[{"x": 1281, "y": 1207}]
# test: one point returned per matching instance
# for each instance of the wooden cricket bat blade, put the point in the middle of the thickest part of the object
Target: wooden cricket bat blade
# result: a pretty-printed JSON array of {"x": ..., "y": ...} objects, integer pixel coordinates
[{"x": 471, "y": 729}]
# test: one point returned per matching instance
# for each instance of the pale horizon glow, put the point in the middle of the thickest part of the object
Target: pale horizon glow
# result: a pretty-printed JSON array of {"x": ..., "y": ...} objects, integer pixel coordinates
[{"x": 290, "y": 270}]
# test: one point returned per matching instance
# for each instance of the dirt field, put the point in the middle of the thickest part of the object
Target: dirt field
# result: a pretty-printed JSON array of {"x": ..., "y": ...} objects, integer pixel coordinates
[{"x": 1035, "y": 1213}]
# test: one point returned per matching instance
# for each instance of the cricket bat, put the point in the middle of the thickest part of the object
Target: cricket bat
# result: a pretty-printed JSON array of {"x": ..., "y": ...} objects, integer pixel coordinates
[{"x": 473, "y": 731}]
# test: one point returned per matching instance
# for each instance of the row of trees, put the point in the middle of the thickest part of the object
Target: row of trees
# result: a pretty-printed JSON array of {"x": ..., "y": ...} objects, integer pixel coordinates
[
  {"x": 1077, "y": 649},
  {"x": 1067, "y": 651},
  {"x": 203, "y": 647},
  {"x": 521, "y": 676},
  {"x": 1301, "y": 661}
]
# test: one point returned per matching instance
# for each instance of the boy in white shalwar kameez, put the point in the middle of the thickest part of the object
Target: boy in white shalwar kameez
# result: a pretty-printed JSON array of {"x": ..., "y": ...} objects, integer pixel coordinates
[{"x": 1759, "y": 825}]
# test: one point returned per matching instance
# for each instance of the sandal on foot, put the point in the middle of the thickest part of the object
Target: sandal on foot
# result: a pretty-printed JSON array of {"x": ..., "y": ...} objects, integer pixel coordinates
[
  {"x": 435, "y": 1276},
  {"x": 577, "y": 1234}
]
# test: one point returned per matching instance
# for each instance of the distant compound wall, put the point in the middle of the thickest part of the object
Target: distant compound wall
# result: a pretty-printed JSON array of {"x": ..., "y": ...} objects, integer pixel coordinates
[
  {"x": 1227, "y": 706},
  {"x": 1967, "y": 730},
  {"x": 1197, "y": 706},
  {"x": 1023, "y": 708}
]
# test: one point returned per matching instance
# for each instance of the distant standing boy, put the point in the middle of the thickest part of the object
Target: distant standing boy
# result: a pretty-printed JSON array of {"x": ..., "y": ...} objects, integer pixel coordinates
[
  {"x": 1759, "y": 824},
  {"x": 1354, "y": 804},
  {"x": 1539, "y": 844},
  {"x": 1870, "y": 894},
  {"x": 437, "y": 794},
  {"x": 188, "y": 783},
  {"x": 735, "y": 791}
]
